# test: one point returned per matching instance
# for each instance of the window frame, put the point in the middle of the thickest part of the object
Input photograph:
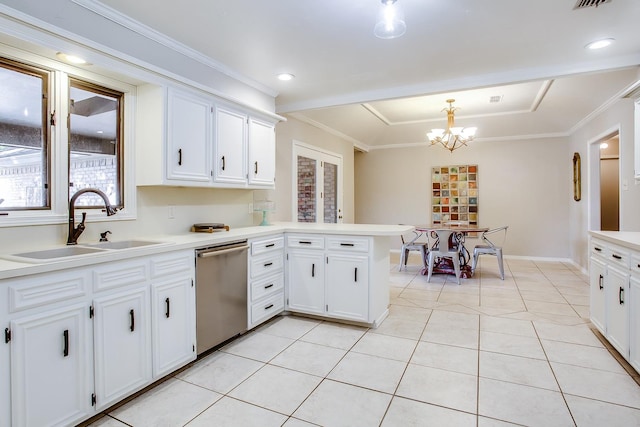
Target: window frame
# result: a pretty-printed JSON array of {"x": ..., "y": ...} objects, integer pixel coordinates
[
  {"x": 58, "y": 213},
  {"x": 99, "y": 89},
  {"x": 46, "y": 75}
]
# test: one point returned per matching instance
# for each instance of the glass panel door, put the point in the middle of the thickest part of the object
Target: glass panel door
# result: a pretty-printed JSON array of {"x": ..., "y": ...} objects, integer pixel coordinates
[
  {"x": 307, "y": 174},
  {"x": 317, "y": 185}
]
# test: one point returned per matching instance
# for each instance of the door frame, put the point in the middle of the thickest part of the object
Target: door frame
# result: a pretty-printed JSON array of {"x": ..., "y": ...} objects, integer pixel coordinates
[
  {"x": 593, "y": 211},
  {"x": 320, "y": 155}
]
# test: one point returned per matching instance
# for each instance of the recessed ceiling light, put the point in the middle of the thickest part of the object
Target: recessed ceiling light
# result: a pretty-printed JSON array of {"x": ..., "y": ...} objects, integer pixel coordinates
[
  {"x": 599, "y": 44},
  {"x": 71, "y": 59},
  {"x": 604, "y": 145},
  {"x": 285, "y": 77}
]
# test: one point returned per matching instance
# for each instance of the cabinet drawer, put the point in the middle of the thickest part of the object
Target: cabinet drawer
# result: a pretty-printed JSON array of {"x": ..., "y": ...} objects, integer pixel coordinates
[
  {"x": 119, "y": 274},
  {"x": 267, "y": 264},
  {"x": 268, "y": 308},
  {"x": 38, "y": 290},
  {"x": 164, "y": 265},
  {"x": 301, "y": 241},
  {"x": 618, "y": 256},
  {"x": 598, "y": 248},
  {"x": 272, "y": 244},
  {"x": 347, "y": 243},
  {"x": 635, "y": 264},
  {"x": 267, "y": 286}
]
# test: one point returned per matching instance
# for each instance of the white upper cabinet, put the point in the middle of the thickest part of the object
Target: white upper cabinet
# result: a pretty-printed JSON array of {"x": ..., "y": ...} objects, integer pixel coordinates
[
  {"x": 230, "y": 146},
  {"x": 188, "y": 137},
  {"x": 262, "y": 153}
]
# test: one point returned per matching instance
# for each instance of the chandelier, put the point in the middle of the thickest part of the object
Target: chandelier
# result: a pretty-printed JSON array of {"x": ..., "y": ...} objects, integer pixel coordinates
[{"x": 453, "y": 137}]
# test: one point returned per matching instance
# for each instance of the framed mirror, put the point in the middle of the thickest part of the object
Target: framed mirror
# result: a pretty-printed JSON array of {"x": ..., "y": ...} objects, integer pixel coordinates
[{"x": 576, "y": 177}]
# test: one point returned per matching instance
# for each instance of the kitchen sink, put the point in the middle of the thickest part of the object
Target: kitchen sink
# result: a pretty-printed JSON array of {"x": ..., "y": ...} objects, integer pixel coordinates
[
  {"x": 52, "y": 254},
  {"x": 123, "y": 244}
]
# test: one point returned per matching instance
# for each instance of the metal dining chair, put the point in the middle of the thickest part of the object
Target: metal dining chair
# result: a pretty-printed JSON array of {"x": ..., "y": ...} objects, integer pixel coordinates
[
  {"x": 448, "y": 247},
  {"x": 490, "y": 248},
  {"x": 413, "y": 245}
]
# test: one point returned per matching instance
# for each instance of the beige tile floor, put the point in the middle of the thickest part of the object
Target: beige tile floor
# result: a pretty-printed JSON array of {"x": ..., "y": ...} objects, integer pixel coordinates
[{"x": 486, "y": 353}]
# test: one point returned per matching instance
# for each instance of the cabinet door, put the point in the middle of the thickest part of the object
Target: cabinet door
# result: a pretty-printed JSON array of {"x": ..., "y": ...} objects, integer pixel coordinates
[
  {"x": 306, "y": 281},
  {"x": 173, "y": 309},
  {"x": 188, "y": 137},
  {"x": 262, "y": 153},
  {"x": 122, "y": 345},
  {"x": 51, "y": 371},
  {"x": 617, "y": 312},
  {"x": 597, "y": 272},
  {"x": 634, "y": 322},
  {"x": 230, "y": 147},
  {"x": 348, "y": 286}
]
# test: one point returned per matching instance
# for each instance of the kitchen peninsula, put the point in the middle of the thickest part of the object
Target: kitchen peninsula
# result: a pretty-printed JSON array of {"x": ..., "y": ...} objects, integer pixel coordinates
[{"x": 112, "y": 322}]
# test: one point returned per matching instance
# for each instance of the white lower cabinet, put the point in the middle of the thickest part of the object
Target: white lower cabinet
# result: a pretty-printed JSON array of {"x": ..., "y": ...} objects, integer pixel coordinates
[
  {"x": 173, "y": 324},
  {"x": 51, "y": 368},
  {"x": 331, "y": 276},
  {"x": 634, "y": 322},
  {"x": 617, "y": 314},
  {"x": 597, "y": 273},
  {"x": 347, "y": 286},
  {"x": 80, "y": 340},
  {"x": 305, "y": 277},
  {"x": 614, "y": 273},
  {"x": 122, "y": 344},
  {"x": 266, "y": 279}
]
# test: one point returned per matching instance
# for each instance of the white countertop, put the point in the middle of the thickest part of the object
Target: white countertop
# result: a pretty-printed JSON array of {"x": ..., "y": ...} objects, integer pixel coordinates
[
  {"x": 10, "y": 268},
  {"x": 628, "y": 239}
]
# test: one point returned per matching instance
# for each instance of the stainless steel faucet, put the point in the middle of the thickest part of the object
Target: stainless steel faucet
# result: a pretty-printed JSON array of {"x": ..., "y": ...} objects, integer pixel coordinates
[{"x": 75, "y": 232}]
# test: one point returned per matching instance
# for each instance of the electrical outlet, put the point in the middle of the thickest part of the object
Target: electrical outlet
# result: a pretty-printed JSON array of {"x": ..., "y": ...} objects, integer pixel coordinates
[
  {"x": 250, "y": 208},
  {"x": 171, "y": 212}
]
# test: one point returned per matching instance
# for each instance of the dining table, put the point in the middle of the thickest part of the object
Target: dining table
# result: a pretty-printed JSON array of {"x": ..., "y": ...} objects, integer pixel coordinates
[{"x": 457, "y": 233}]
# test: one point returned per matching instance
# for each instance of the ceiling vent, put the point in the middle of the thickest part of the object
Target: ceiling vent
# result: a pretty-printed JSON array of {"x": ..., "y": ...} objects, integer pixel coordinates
[
  {"x": 582, "y": 4},
  {"x": 495, "y": 98}
]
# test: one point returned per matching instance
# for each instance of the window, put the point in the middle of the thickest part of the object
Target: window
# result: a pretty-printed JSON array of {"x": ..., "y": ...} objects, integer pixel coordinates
[
  {"x": 95, "y": 143},
  {"x": 24, "y": 137}
]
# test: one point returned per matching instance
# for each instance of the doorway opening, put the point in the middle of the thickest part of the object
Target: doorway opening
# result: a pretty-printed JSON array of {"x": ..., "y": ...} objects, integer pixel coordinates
[{"x": 610, "y": 184}]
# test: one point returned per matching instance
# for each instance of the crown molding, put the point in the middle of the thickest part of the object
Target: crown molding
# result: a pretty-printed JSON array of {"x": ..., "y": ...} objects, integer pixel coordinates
[{"x": 139, "y": 28}]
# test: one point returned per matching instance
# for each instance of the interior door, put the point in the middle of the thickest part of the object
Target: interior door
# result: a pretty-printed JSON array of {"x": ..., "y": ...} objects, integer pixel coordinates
[{"x": 317, "y": 185}]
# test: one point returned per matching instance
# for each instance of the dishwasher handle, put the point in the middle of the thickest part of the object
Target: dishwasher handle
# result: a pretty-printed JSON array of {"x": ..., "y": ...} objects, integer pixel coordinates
[{"x": 216, "y": 252}]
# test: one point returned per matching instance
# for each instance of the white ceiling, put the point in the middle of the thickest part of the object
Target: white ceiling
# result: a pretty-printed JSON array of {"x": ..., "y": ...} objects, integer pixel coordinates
[{"x": 388, "y": 92}]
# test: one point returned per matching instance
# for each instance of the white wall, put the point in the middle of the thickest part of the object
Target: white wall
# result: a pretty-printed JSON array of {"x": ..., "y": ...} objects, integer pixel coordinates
[
  {"x": 191, "y": 205},
  {"x": 524, "y": 184},
  {"x": 618, "y": 116}
]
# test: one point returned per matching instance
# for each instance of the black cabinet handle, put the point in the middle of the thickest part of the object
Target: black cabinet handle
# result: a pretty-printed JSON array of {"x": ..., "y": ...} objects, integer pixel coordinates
[
  {"x": 223, "y": 163},
  {"x": 347, "y": 244},
  {"x": 621, "y": 296},
  {"x": 304, "y": 242},
  {"x": 268, "y": 264},
  {"x": 256, "y": 168},
  {"x": 616, "y": 256},
  {"x": 132, "y": 323},
  {"x": 356, "y": 274},
  {"x": 600, "y": 280},
  {"x": 65, "y": 350},
  {"x": 597, "y": 249},
  {"x": 270, "y": 245},
  {"x": 179, "y": 156},
  {"x": 168, "y": 307},
  {"x": 268, "y": 307},
  {"x": 270, "y": 285},
  {"x": 313, "y": 270}
]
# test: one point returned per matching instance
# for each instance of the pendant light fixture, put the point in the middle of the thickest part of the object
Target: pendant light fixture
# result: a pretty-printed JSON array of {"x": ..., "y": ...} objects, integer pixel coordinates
[
  {"x": 390, "y": 23},
  {"x": 452, "y": 137}
]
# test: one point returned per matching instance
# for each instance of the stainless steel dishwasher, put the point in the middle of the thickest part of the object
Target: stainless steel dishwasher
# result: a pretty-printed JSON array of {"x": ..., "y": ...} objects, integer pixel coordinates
[{"x": 221, "y": 293}]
